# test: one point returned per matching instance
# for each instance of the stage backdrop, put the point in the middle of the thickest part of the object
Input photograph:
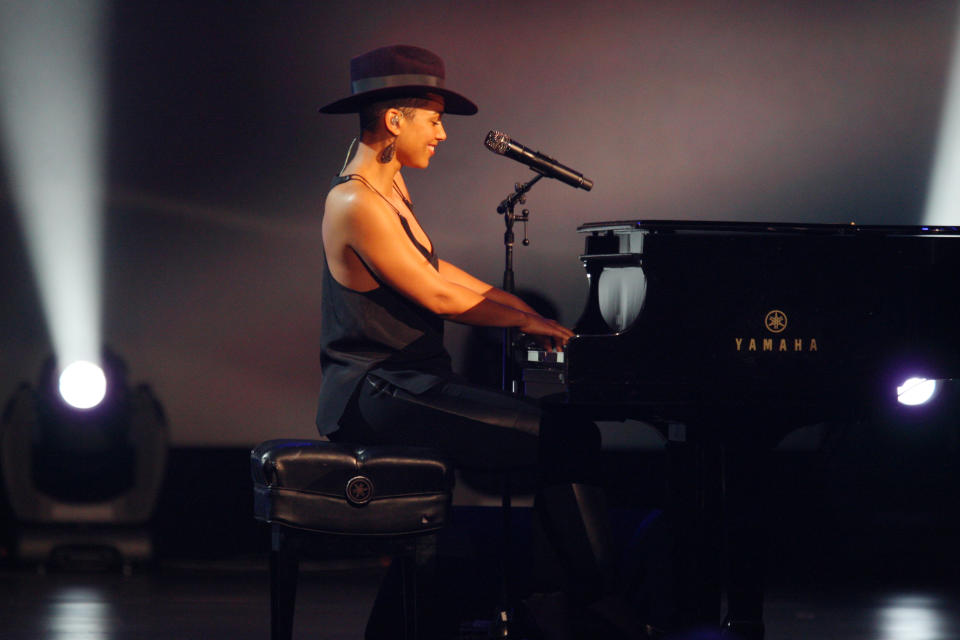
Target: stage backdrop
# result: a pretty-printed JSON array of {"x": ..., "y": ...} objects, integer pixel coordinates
[{"x": 218, "y": 162}]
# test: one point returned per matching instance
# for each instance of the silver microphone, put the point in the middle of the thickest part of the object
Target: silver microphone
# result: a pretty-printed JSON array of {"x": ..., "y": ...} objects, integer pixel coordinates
[{"x": 501, "y": 144}]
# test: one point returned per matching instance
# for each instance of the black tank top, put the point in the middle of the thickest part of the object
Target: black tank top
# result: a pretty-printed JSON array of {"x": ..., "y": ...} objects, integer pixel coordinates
[{"x": 378, "y": 331}]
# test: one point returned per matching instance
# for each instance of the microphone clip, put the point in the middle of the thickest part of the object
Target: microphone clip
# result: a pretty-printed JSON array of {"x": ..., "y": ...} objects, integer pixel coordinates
[{"x": 518, "y": 196}]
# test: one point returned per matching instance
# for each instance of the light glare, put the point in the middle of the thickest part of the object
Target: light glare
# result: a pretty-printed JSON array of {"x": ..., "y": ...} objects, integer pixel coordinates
[
  {"x": 78, "y": 613},
  {"x": 916, "y": 391},
  {"x": 912, "y": 618},
  {"x": 83, "y": 385},
  {"x": 944, "y": 190}
]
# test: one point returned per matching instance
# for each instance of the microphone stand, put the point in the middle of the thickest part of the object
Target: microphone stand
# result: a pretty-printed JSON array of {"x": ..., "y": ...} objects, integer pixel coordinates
[
  {"x": 509, "y": 383},
  {"x": 506, "y": 208}
]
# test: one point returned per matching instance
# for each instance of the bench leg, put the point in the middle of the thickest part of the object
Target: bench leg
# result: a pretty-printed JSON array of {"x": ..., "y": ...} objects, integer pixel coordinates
[
  {"x": 399, "y": 611},
  {"x": 408, "y": 595},
  {"x": 284, "y": 569}
]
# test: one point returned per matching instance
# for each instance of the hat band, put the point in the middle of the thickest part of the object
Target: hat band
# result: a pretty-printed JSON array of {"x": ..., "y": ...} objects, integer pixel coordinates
[{"x": 398, "y": 80}]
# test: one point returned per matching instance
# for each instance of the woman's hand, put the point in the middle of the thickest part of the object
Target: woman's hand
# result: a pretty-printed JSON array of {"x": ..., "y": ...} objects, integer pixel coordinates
[{"x": 549, "y": 334}]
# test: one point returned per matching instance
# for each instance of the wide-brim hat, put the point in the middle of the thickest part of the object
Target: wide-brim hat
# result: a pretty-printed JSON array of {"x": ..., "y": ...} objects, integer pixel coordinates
[{"x": 398, "y": 71}]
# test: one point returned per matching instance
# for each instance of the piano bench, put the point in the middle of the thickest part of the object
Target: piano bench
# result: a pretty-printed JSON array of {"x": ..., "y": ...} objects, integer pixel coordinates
[{"x": 341, "y": 500}]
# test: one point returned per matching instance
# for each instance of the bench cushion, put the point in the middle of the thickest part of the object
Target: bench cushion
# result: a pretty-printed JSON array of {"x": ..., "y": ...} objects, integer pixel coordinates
[{"x": 346, "y": 489}]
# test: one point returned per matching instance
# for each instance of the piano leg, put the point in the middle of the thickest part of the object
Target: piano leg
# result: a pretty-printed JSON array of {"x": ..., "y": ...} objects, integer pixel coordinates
[
  {"x": 694, "y": 508},
  {"x": 716, "y": 501},
  {"x": 744, "y": 482}
]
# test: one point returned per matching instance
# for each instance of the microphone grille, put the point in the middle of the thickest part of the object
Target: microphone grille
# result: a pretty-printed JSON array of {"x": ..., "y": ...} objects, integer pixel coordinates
[{"x": 497, "y": 141}]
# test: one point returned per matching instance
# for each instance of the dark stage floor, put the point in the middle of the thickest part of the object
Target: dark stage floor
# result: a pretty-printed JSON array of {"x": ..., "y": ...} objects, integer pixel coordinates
[
  {"x": 229, "y": 601},
  {"x": 844, "y": 565}
]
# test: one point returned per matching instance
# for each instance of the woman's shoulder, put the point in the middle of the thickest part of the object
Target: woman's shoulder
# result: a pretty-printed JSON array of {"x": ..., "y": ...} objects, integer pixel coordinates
[
  {"x": 358, "y": 211},
  {"x": 346, "y": 196}
]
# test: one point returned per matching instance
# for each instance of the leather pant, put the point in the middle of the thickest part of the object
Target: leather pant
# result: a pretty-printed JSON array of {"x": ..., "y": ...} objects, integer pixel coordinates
[
  {"x": 478, "y": 428},
  {"x": 486, "y": 429}
]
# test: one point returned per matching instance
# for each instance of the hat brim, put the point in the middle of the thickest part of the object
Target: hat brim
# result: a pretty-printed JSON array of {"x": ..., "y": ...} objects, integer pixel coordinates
[{"x": 454, "y": 103}]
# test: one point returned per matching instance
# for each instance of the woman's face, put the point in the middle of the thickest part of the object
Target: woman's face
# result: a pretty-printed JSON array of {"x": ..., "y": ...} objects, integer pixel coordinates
[{"x": 420, "y": 135}]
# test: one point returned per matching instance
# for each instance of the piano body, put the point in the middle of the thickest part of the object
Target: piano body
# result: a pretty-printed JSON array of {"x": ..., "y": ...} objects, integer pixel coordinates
[{"x": 727, "y": 336}]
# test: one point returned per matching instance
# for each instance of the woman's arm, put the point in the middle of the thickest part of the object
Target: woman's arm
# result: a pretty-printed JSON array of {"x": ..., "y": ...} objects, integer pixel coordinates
[
  {"x": 357, "y": 220},
  {"x": 461, "y": 277},
  {"x": 537, "y": 325}
]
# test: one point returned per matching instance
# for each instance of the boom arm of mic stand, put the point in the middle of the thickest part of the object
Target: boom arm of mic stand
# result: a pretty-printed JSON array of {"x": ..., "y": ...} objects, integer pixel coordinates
[{"x": 519, "y": 191}]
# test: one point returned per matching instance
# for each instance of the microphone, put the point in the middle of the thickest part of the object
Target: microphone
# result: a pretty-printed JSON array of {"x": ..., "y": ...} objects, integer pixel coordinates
[{"x": 501, "y": 144}]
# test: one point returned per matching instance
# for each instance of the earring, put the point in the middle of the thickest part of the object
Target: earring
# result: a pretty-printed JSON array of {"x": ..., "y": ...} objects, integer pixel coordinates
[{"x": 387, "y": 154}]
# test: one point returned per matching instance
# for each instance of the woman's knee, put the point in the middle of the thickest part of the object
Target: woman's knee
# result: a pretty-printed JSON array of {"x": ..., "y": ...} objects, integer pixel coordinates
[{"x": 569, "y": 450}]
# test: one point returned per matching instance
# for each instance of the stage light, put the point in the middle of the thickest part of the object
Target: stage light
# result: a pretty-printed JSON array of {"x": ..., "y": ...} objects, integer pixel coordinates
[
  {"x": 916, "y": 391},
  {"x": 83, "y": 483},
  {"x": 943, "y": 192},
  {"x": 83, "y": 385}
]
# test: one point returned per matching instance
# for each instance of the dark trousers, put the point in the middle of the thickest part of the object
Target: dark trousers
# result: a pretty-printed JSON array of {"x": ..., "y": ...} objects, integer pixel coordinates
[
  {"x": 486, "y": 429},
  {"x": 478, "y": 428}
]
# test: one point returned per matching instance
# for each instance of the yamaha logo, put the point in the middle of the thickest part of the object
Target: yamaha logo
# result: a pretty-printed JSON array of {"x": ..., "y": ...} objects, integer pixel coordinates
[
  {"x": 775, "y": 321},
  {"x": 359, "y": 490}
]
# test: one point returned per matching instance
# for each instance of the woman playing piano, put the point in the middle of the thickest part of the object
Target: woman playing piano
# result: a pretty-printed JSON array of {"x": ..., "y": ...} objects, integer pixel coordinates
[{"x": 387, "y": 378}]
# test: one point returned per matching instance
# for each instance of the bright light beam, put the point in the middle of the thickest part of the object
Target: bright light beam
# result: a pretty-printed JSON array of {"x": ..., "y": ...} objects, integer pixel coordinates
[
  {"x": 943, "y": 195},
  {"x": 52, "y": 71}
]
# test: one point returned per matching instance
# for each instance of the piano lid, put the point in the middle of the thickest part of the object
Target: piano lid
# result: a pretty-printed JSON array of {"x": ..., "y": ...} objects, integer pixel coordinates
[{"x": 726, "y": 227}]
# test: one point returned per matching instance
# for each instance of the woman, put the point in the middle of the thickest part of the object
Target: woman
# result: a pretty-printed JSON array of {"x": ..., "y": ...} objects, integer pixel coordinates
[{"x": 386, "y": 375}]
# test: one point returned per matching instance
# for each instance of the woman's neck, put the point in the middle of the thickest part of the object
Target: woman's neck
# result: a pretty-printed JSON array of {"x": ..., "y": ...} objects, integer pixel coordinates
[{"x": 366, "y": 162}]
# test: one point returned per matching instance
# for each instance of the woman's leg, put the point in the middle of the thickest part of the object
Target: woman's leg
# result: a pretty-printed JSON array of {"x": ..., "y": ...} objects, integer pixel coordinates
[
  {"x": 485, "y": 429},
  {"x": 477, "y": 428}
]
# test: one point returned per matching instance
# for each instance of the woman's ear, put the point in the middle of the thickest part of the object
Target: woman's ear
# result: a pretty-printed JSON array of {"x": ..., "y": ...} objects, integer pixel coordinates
[{"x": 391, "y": 120}]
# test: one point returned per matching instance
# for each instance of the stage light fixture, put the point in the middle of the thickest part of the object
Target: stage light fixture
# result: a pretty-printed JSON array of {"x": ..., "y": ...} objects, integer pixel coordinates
[
  {"x": 83, "y": 385},
  {"x": 916, "y": 391},
  {"x": 82, "y": 483}
]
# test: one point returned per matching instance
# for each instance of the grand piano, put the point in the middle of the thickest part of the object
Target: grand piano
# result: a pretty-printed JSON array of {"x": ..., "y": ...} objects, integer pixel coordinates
[{"x": 727, "y": 336}]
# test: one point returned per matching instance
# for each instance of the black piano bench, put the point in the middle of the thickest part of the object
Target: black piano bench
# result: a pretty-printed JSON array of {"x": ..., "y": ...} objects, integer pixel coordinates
[{"x": 341, "y": 500}]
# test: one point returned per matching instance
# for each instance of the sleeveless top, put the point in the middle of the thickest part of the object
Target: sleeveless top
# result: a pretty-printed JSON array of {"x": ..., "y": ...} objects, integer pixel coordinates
[{"x": 378, "y": 331}]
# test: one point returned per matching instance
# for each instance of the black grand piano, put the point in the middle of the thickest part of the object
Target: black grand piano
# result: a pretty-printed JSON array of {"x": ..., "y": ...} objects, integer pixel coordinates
[{"x": 728, "y": 336}]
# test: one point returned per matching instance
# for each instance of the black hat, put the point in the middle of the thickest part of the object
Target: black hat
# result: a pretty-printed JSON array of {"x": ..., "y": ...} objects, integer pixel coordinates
[{"x": 398, "y": 71}]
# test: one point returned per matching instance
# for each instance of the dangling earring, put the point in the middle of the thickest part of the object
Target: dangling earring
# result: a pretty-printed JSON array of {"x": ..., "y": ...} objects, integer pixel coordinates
[{"x": 387, "y": 154}]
